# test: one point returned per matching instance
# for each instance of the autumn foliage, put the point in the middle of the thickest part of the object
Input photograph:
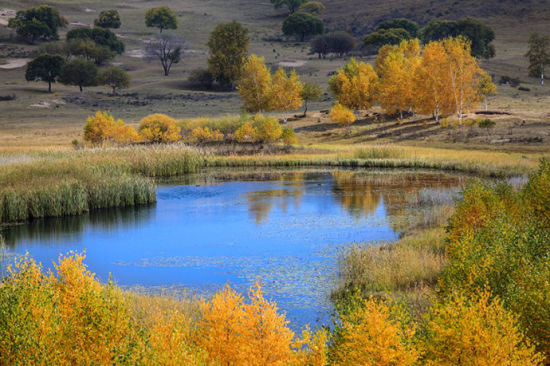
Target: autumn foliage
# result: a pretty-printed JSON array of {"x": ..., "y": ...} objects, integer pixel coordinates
[
  {"x": 159, "y": 128},
  {"x": 103, "y": 129}
]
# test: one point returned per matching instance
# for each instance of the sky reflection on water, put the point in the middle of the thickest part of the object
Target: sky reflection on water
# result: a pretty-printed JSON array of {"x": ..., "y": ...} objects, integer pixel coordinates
[{"x": 283, "y": 229}]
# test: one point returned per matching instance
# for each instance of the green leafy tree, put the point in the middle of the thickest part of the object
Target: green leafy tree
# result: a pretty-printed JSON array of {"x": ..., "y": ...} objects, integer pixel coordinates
[
  {"x": 406, "y": 24},
  {"x": 45, "y": 68},
  {"x": 382, "y": 37},
  {"x": 39, "y": 23},
  {"x": 89, "y": 50},
  {"x": 228, "y": 45},
  {"x": 101, "y": 36},
  {"x": 167, "y": 49},
  {"x": 115, "y": 78},
  {"x": 302, "y": 25},
  {"x": 479, "y": 34},
  {"x": 310, "y": 92},
  {"x": 291, "y": 5},
  {"x": 79, "y": 72},
  {"x": 312, "y": 7},
  {"x": 108, "y": 19},
  {"x": 538, "y": 55},
  {"x": 161, "y": 18},
  {"x": 339, "y": 43}
]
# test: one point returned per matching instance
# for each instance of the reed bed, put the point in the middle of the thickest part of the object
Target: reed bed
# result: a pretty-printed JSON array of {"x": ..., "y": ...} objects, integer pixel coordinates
[
  {"x": 58, "y": 183},
  {"x": 71, "y": 184}
]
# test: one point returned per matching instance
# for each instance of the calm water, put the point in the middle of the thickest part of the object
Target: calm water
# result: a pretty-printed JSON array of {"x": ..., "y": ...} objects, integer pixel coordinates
[{"x": 284, "y": 229}]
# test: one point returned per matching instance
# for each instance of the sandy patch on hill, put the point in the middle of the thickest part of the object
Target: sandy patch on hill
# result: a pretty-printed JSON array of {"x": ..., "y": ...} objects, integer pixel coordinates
[
  {"x": 48, "y": 103},
  {"x": 296, "y": 63},
  {"x": 137, "y": 53},
  {"x": 5, "y": 15},
  {"x": 14, "y": 63}
]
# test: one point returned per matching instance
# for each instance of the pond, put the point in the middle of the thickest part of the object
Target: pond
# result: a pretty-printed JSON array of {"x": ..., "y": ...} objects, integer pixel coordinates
[{"x": 281, "y": 228}]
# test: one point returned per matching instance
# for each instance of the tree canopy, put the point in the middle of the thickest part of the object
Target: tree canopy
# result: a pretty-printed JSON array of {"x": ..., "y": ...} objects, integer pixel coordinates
[
  {"x": 101, "y": 36},
  {"x": 79, "y": 72},
  {"x": 108, "y": 19},
  {"x": 339, "y": 43},
  {"x": 302, "y": 25},
  {"x": 161, "y": 17},
  {"x": 292, "y": 5},
  {"x": 45, "y": 68},
  {"x": 479, "y": 34},
  {"x": 312, "y": 7},
  {"x": 39, "y": 23},
  {"x": 228, "y": 45},
  {"x": 115, "y": 78},
  {"x": 382, "y": 37},
  {"x": 406, "y": 24},
  {"x": 538, "y": 55}
]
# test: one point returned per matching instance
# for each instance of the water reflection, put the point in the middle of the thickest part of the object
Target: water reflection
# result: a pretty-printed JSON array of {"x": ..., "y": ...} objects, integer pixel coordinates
[
  {"x": 58, "y": 230},
  {"x": 283, "y": 228}
]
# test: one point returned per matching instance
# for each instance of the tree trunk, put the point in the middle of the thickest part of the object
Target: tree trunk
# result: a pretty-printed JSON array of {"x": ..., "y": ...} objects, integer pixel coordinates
[
  {"x": 305, "y": 110},
  {"x": 114, "y": 91},
  {"x": 485, "y": 100},
  {"x": 49, "y": 86},
  {"x": 80, "y": 86},
  {"x": 542, "y": 76}
]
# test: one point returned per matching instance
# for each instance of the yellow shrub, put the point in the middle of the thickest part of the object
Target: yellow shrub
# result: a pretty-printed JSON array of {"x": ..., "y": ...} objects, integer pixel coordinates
[
  {"x": 370, "y": 334},
  {"x": 201, "y": 135},
  {"x": 476, "y": 332},
  {"x": 103, "y": 128},
  {"x": 245, "y": 133},
  {"x": 267, "y": 128},
  {"x": 343, "y": 115},
  {"x": 311, "y": 349},
  {"x": 444, "y": 123},
  {"x": 235, "y": 333},
  {"x": 288, "y": 136},
  {"x": 159, "y": 128}
]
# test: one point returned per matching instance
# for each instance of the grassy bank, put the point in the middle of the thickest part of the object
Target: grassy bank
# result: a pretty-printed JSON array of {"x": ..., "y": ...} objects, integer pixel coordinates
[{"x": 57, "y": 183}]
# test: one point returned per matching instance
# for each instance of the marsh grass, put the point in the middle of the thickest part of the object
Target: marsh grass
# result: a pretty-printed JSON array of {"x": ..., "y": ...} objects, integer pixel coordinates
[
  {"x": 58, "y": 183},
  {"x": 71, "y": 184},
  {"x": 411, "y": 263}
]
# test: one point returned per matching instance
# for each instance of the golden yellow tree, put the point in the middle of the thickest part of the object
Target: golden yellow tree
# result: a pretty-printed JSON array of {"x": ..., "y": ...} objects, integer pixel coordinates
[
  {"x": 486, "y": 87},
  {"x": 343, "y": 115},
  {"x": 354, "y": 85},
  {"x": 370, "y": 334},
  {"x": 285, "y": 92},
  {"x": 431, "y": 82},
  {"x": 479, "y": 331},
  {"x": 254, "y": 85},
  {"x": 235, "y": 333},
  {"x": 159, "y": 128},
  {"x": 396, "y": 67},
  {"x": 464, "y": 73}
]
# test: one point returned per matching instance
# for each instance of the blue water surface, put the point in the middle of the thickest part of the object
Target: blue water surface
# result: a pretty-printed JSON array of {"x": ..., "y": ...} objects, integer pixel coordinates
[{"x": 283, "y": 230}]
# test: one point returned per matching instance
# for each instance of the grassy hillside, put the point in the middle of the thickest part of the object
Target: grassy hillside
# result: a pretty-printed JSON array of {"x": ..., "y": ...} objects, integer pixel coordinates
[{"x": 38, "y": 118}]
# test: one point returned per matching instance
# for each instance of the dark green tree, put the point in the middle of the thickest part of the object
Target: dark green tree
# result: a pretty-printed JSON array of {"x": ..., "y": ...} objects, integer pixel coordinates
[
  {"x": 115, "y": 78},
  {"x": 384, "y": 37},
  {"x": 79, "y": 72},
  {"x": 406, "y": 24},
  {"x": 302, "y": 25},
  {"x": 228, "y": 45},
  {"x": 292, "y": 5},
  {"x": 45, "y": 68},
  {"x": 479, "y": 34},
  {"x": 108, "y": 19},
  {"x": 538, "y": 55},
  {"x": 161, "y": 18},
  {"x": 39, "y": 23},
  {"x": 89, "y": 50},
  {"x": 101, "y": 36}
]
